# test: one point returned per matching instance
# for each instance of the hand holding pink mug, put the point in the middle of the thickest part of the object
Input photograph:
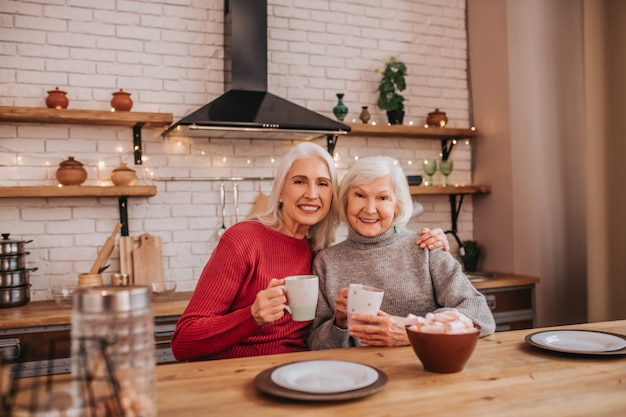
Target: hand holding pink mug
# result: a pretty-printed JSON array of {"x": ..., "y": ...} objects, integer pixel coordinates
[
  {"x": 301, "y": 291},
  {"x": 363, "y": 299}
]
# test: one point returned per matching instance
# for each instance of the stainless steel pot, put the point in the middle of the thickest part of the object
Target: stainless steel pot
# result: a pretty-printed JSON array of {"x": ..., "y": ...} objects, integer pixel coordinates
[
  {"x": 15, "y": 278},
  {"x": 10, "y": 246},
  {"x": 14, "y": 296},
  {"x": 13, "y": 262}
]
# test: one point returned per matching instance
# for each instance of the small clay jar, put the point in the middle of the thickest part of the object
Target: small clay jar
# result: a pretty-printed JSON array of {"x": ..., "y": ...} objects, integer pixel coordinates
[
  {"x": 71, "y": 172},
  {"x": 365, "y": 115},
  {"x": 121, "y": 101},
  {"x": 123, "y": 175},
  {"x": 437, "y": 119},
  {"x": 57, "y": 99}
]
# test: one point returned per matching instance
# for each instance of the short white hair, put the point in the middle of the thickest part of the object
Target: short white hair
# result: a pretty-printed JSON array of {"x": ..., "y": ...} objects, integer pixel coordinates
[{"x": 366, "y": 170}]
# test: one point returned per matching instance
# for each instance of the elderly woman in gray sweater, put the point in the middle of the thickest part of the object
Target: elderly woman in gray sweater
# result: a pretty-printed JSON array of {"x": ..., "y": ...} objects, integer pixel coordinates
[{"x": 376, "y": 203}]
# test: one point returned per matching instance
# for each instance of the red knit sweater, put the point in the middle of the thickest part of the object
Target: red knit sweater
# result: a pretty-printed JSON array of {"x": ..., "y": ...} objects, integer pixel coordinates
[{"x": 218, "y": 321}]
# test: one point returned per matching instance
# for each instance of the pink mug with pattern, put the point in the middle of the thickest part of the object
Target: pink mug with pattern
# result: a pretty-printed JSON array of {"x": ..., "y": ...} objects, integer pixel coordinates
[{"x": 363, "y": 299}]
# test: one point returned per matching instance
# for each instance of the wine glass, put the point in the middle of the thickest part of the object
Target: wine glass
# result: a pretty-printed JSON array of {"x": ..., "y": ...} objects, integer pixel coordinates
[
  {"x": 430, "y": 167},
  {"x": 446, "y": 169}
]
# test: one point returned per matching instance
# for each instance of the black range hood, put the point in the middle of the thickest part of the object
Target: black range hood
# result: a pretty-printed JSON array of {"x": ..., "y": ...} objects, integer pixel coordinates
[{"x": 247, "y": 110}]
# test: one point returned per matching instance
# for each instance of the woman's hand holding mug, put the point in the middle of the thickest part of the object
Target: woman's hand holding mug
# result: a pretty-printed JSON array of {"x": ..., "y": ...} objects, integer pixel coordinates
[{"x": 269, "y": 303}]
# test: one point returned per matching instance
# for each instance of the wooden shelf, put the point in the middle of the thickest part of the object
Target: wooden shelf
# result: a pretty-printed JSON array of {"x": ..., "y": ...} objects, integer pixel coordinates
[
  {"x": 78, "y": 191},
  {"x": 455, "y": 194},
  {"x": 83, "y": 117},
  {"x": 450, "y": 189},
  {"x": 362, "y": 129}
]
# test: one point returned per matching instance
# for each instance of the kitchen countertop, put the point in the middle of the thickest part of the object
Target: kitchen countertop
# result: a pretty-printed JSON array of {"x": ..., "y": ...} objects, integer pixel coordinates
[
  {"x": 505, "y": 377},
  {"x": 503, "y": 280},
  {"x": 48, "y": 313}
]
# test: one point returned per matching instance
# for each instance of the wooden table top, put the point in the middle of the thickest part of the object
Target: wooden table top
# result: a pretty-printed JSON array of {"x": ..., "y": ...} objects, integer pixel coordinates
[
  {"x": 48, "y": 313},
  {"x": 504, "y": 377}
]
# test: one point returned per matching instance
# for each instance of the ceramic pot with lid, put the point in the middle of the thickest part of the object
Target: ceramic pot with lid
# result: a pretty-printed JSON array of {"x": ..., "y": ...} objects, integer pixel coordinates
[
  {"x": 71, "y": 172},
  {"x": 123, "y": 175},
  {"x": 10, "y": 246},
  {"x": 57, "y": 99},
  {"x": 121, "y": 101},
  {"x": 437, "y": 119}
]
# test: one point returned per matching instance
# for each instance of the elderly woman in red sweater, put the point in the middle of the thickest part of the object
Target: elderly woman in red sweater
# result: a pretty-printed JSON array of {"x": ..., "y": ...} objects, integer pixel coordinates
[{"x": 237, "y": 308}]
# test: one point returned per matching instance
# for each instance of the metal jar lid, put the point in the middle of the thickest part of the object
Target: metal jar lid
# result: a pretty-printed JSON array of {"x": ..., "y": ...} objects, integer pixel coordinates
[{"x": 111, "y": 299}]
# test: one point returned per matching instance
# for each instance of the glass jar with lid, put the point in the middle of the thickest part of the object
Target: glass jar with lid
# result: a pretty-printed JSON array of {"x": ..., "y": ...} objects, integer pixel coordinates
[{"x": 113, "y": 357}]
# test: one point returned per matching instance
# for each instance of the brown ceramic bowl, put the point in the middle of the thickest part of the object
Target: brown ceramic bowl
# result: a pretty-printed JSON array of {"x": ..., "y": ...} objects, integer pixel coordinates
[
  {"x": 123, "y": 175},
  {"x": 443, "y": 353}
]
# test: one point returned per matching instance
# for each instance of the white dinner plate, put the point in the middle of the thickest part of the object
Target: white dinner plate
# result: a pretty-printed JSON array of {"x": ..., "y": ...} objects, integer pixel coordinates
[
  {"x": 577, "y": 341},
  {"x": 324, "y": 376}
]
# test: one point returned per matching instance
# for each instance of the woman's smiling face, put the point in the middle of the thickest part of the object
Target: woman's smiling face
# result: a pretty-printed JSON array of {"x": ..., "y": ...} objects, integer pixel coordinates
[
  {"x": 372, "y": 206},
  {"x": 306, "y": 196}
]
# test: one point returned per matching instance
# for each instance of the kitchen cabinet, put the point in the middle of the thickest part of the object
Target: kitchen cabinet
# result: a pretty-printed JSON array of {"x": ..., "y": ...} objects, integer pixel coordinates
[
  {"x": 43, "y": 350},
  {"x": 136, "y": 120},
  {"x": 511, "y": 300},
  {"x": 38, "y": 350}
]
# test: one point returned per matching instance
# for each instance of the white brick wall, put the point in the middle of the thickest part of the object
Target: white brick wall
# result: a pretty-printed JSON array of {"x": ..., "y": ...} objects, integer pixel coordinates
[{"x": 169, "y": 56}]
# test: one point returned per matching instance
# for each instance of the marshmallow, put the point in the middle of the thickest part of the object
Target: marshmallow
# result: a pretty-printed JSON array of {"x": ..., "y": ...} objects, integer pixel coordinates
[{"x": 444, "y": 322}]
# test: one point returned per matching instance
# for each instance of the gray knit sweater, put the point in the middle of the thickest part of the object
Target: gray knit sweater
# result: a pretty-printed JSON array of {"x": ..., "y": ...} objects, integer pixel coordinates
[{"x": 415, "y": 281}]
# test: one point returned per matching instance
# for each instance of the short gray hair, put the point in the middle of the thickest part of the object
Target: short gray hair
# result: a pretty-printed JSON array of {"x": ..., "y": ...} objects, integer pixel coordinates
[
  {"x": 322, "y": 234},
  {"x": 368, "y": 169}
]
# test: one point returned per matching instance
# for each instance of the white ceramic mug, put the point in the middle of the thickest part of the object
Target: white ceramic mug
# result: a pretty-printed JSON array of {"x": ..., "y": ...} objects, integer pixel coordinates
[
  {"x": 363, "y": 299},
  {"x": 301, "y": 293}
]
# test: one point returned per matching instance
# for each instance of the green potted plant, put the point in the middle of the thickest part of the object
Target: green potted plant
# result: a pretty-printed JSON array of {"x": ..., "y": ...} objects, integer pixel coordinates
[
  {"x": 470, "y": 254},
  {"x": 391, "y": 83}
]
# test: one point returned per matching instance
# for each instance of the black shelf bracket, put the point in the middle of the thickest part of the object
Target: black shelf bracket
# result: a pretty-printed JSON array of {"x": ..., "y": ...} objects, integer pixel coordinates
[
  {"x": 123, "y": 206},
  {"x": 446, "y": 147},
  {"x": 455, "y": 210},
  {"x": 137, "y": 143},
  {"x": 331, "y": 141}
]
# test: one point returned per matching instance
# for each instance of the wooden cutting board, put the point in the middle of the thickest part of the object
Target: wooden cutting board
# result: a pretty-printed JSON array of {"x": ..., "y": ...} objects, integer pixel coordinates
[
  {"x": 260, "y": 205},
  {"x": 146, "y": 258},
  {"x": 127, "y": 245}
]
